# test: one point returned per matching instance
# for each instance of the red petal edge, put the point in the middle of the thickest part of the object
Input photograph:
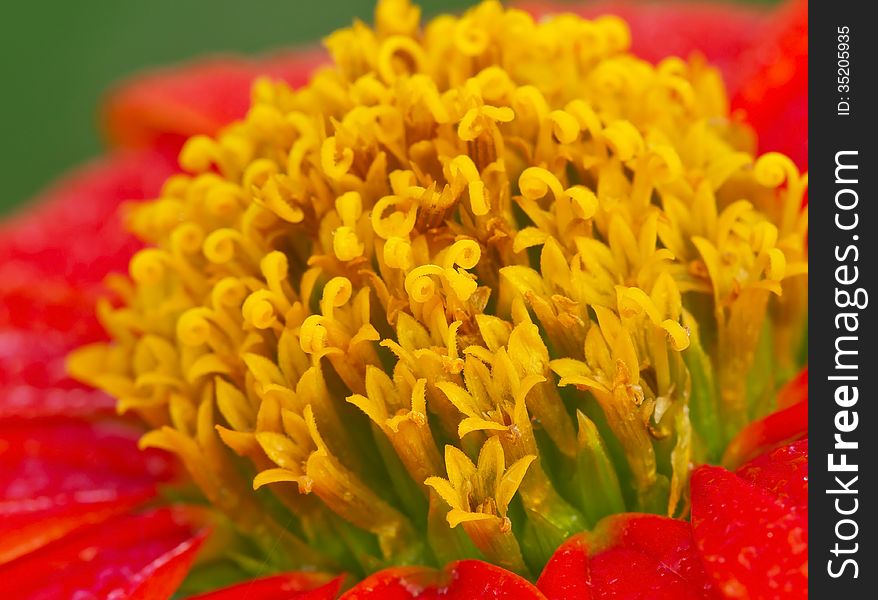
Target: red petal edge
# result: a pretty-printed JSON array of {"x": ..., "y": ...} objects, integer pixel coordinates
[
  {"x": 134, "y": 556},
  {"x": 628, "y": 557},
  {"x": 289, "y": 586},
  {"x": 461, "y": 580}
]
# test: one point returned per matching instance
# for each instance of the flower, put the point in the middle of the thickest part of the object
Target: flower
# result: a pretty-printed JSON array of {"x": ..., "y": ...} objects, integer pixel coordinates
[{"x": 562, "y": 267}]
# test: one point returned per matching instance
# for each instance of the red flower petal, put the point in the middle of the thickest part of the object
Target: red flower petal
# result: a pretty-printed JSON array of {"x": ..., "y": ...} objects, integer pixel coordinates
[
  {"x": 751, "y": 543},
  {"x": 461, "y": 580},
  {"x": 289, "y": 586},
  {"x": 31, "y": 523},
  {"x": 46, "y": 458},
  {"x": 468, "y": 579},
  {"x": 568, "y": 572},
  {"x": 628, "y": 556},
  {"x": 623, "y": 574},
  {"x": 73, "y": 231},
  {"x": 59, "y": 477},
  {"x": 30, "y": 300},
  {"x": 140, "y": 556},
  {"x": 396, "y": 583},
  {"x": 773, "y": 94},
  {"x": 784, "y": 472},
  {"x": 163, "y": 575},
  {"x": 667, "y": 542},
  {"x": 34, "y": 382},
  {"x": 162, "y": 109}
]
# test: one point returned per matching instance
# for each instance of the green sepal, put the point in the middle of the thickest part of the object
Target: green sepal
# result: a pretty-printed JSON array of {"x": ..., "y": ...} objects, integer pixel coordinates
[
  {"x": 595, "y": 490},
  {"x": 703, "y": 400},
  {"x": 411, "y": 496}
]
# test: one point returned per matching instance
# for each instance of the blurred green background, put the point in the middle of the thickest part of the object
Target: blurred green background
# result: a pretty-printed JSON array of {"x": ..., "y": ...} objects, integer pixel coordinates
[{"x": 58, "y": 57}]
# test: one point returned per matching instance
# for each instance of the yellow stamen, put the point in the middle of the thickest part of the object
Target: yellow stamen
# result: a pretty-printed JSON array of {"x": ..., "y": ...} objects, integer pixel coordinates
[{"x": 470, "y": 239}]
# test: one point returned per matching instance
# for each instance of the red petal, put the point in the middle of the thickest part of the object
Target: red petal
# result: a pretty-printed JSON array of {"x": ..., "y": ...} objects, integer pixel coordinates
[
  {"x": 627, "y": 557},
  {"x": 773, "y": 94},
  {"x": 468, "y": 579},
  {"x": 44, "y": 458},
  {"x": 289, "y": 586},
  {"x": 461, "y": 580},
  {"x": 397, "y": 583},
  {"x": 73, "y": 231},
  {"x": 623, "y": 574},
  {"x": 28, "y": 524},
  {"x": 666, "y": 542},
  {"x": 758, "y": 437},
  {"x": 59, "y": 477},
  {"x": 751, "y": 543},
  {"x": 34, "y": 382},
  {"x": 30, "y": 300},
  {"x": 22, "y": 401},
  {"x": 163, "y": 575},
  {"x": 783, "y": 471},
  {"x": 720, "y": 31},
  {"x": 140, "y": 556},
  {"x": 163, "y": 108},
  {"x": 567, "y": 574}
]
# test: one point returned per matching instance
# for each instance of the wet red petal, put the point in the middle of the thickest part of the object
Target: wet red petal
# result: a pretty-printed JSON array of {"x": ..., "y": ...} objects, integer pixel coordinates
[
  {"x": 784, "y": 472},
  {"x": 134, "y": 556},
  {"x": 289, "y": 586},
  {"x": 28, "y": 524},
  {"x": 163, "y": 108},
  {"x": 751, "y": 543},
  {"x": 23, "y": 401},
  {"x": 627, "y": 557},
  {"x": 624, "y": 574},
  {"x": 567, "y": 574},
  {"x": 397, "y": 583},
  {"x": 30, "y": 300},
  {"x": 57, "y": 477},
  {"x": 461, "y": 580},
  {"x": 467, "y": 579},
  {"x": 773, "y": 95},
  {"x": 34, "y": 383},
  {"x": 720, "y": 31},
  {"x": 73, "y": 231},
  {"x": 666, "y": 542},
  {"x": 47, "y": 458},
  {"x": 34, "y": 359}
]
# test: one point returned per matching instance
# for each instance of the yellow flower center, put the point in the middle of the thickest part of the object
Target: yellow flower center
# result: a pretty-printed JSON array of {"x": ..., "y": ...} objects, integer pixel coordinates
[{"x": 501, "y": 241}]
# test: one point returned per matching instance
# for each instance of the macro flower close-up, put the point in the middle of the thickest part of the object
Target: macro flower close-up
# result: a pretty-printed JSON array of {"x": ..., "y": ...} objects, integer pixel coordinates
[{"x": 507, "y": 303}]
